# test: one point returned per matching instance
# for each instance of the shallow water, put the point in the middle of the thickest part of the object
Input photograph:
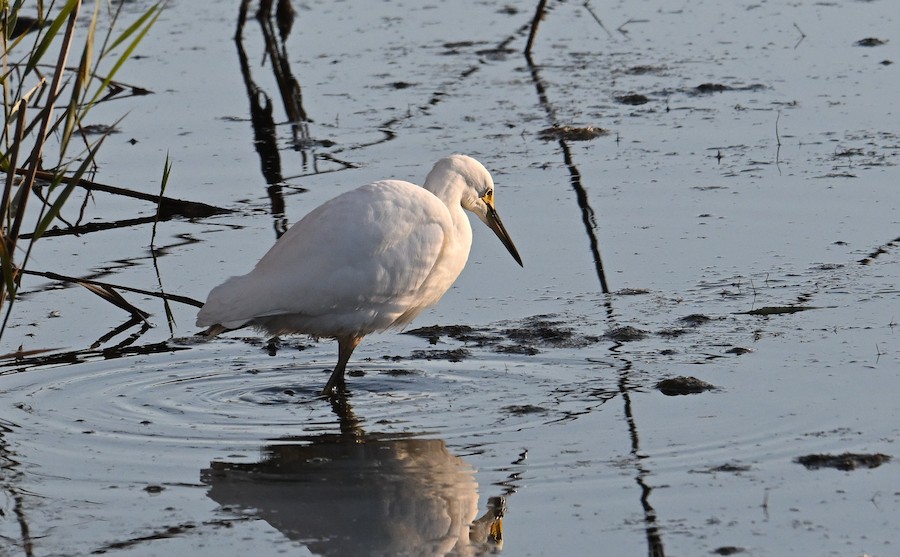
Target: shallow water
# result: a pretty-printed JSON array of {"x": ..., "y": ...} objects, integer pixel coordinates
[{"x": 151, "y": 443}]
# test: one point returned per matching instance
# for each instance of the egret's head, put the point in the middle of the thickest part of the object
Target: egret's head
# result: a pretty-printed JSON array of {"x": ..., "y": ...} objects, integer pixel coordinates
[{"x": 477, "y": 195}]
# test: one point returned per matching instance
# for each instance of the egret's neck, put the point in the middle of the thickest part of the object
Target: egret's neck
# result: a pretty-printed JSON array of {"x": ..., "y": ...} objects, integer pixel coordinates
[
  {"x": 450, "y": 186},
  {"x": 446, "y": 185}
]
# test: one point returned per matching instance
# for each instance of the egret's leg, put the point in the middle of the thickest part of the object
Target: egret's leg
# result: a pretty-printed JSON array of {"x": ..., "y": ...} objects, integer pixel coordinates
[{"x": 346, "y": 346}]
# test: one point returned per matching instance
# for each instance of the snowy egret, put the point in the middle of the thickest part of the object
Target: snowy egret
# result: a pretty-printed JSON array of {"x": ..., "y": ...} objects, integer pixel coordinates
[{"x": 368, "y": 260}]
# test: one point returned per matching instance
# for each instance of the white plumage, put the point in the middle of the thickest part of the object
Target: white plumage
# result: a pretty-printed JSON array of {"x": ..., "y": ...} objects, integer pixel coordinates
[{"x": 368, "y": 260}]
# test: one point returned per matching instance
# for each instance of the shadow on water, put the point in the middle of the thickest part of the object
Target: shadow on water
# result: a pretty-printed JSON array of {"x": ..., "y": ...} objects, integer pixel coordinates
[
  {"x": 358, "y": 493},
  {"x": 587, "y": 212},
  {"x": 167, "y": 208},
  {"x": 264, "y": 130},
  {"x": 10, "y": 477},
  {"x": 651, "y": 527},
  {"x": 655, "y": 547},
  {"x": 21, "y": 361},
  {"x": 265, "y": 136}
]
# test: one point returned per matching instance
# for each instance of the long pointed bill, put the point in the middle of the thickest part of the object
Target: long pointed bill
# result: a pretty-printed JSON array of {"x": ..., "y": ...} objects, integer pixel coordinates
[{"x": 494, "y": 223}]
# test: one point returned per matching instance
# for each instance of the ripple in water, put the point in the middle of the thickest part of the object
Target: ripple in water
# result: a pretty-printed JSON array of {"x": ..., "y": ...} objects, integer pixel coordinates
[
  {"x": 214, "y": 398},
  {"x": 191, "y": 398}
]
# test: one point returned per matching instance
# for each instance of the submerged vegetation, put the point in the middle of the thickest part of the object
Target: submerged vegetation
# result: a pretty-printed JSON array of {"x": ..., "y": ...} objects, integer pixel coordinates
[{"x": 47, "y": 146}]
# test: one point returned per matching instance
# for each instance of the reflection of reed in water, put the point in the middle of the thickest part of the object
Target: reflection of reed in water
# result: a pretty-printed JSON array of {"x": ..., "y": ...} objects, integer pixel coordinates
[{"x": 342, "y": 495}]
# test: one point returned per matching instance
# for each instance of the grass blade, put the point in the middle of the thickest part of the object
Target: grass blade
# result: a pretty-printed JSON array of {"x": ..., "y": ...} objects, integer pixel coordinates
[
  {"x": 50, "y": 35},
  {"x": 167, "y": 168},
  {"x": 153, "y": 11},
  {"x": 116, "y": 299},
  {"x": 54, "y": 209},
  {"x": 142, "y": 27}
]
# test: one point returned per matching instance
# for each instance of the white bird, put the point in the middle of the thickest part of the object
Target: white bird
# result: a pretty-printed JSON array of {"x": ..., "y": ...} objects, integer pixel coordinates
[{"x": 368, "y": 260}]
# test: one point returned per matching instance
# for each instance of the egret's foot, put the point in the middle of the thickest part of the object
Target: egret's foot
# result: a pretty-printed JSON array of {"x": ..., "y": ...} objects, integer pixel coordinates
[
  {"x": 336, "y": 386},
  {"x": 334, "y": 392}
]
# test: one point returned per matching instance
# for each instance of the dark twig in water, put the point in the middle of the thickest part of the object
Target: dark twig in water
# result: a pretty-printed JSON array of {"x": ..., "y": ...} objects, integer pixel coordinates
[
  {"x": 168, "y": 206},
  {"x": 288, "y": 86},
  {"x": 777, "y": 135},
  {"x": 170, "y": 317},
  {"x": 588, "y": 216},
  {"x": 621, "y": 28},
  {"x": 538, "y": 16},
  {"x": 776, "y": 310},
  {"x": 651, "y": 526},
  {"x": 167, "y": 168},
  {"x": 802, "y": 35},
  {"x": 879, "y": 251},
  {"x": 110, "y": 295},
  {"x": 75, "y": 280},
  {"x": 23, "y": 361},
  {"x": 169, "y": 532},
  {"x": 778, "y": 144},
  {"x": 587, "y": 213},
  {"x": 265, "y": 140},
  {"x": 655, "y": 547},
  {"x": 87, "y": 228},
  {"x": 587, "y": 6},
  {"x": 124, "y": 327}
]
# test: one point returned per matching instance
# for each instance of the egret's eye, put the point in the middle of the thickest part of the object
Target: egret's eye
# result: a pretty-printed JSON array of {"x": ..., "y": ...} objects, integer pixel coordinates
[{"x": 488, "y": 196}]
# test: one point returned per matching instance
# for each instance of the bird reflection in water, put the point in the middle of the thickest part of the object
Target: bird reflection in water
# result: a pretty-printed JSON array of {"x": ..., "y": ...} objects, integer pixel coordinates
[{"x": 355, "y": 493}]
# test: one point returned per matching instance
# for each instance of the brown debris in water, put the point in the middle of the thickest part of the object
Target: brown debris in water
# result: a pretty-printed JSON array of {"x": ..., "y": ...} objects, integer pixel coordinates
[
  {"x": 539, "y": 330},
  {"x": 462, "y": 333},
  {"x": 633, "y": 99},
  {"x": 400, "y": 372},
  {"x": 570, "y": 133},
  {"x": 690, "y": 322},
  {"x": 728, "y": 550},
  {"x": 673, "y": 333},
  {"x": 456, "y": 355},
  {"x": 845, "y": 461},
  {"x": 870, "y": 41},
  {"x": 644, "y": 70},
  {"x": 729, "y": 467},
  {"x": 523, "y": 349},
  {"x": 683, "y": 385},
  {"x": 711, "y": 88},
  {"x": 626, "y": 333},
  {"x": 542, "y": 330},
  {"x": 695, "y": 319},
  {"x": 434, "y": 332},
  {"x": 524, "y": 409},
  {"x": 631, "y": 292},
  {"x": 708, "y": 88}
]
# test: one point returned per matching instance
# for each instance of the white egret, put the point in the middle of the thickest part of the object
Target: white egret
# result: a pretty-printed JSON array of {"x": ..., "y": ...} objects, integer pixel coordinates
[{"x": 368, "y": 260}]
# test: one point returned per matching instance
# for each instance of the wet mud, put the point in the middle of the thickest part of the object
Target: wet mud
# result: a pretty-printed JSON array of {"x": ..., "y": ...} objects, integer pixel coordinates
[{"x": 845, "y": 461}]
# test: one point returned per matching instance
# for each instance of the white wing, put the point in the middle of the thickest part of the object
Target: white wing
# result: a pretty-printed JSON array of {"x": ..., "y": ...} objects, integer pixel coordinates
[{"x": 356, "y": 263}]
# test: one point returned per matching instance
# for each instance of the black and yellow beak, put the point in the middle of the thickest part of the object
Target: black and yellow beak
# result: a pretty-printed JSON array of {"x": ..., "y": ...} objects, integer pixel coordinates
[{"x": 494, "y": 223}]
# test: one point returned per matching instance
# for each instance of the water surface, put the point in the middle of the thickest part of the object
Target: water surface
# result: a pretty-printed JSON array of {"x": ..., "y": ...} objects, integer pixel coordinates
[{"x": 760, "y": 173}]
